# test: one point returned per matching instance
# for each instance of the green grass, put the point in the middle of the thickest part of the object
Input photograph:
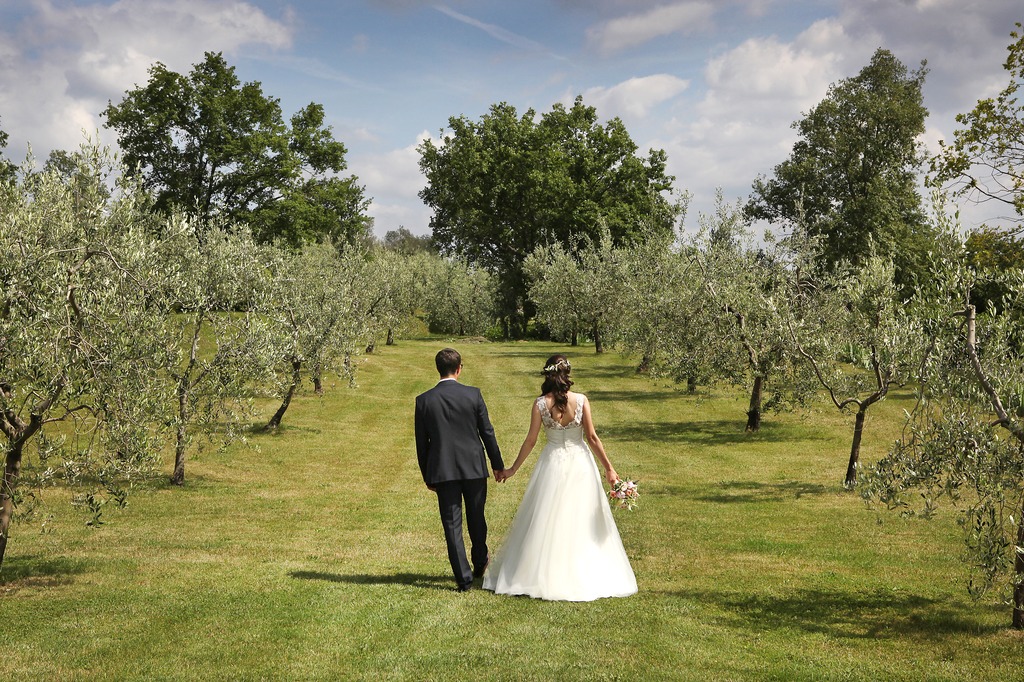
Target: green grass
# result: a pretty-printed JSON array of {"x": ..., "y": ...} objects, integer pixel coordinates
[{"x": 317, "y": 554}]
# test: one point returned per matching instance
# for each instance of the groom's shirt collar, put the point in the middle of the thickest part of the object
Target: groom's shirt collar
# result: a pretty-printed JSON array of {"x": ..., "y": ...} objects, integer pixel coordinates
[{"x": 447, "y": 379}]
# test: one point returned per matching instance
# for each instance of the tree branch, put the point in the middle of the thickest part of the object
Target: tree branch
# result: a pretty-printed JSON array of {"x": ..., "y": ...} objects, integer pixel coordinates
[
  {"x": 997, "y": 404},
  {"x": 816, "y": 368}
]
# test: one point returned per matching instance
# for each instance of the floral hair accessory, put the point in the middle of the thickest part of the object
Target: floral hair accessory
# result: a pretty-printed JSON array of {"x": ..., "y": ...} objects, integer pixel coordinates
[{"x": 558, "y": 365}]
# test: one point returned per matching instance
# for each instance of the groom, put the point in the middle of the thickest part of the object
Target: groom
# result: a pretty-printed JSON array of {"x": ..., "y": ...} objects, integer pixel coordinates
[{"x": 451, "y": 423}]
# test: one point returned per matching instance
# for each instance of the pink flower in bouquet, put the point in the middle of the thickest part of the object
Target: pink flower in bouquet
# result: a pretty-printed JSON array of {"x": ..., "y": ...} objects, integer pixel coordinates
[{"x": 624, "y": 494}]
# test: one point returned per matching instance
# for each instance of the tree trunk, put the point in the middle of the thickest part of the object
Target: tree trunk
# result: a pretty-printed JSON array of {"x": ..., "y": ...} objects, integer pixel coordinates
[
  {"x": 691, "y": 384},
  {"x": 598, "y": 343},
  {"x": 521, "y": 325},
  {"x": 12, "y": 469},
  {"x": 184, "y": 383},
  {"x": 275, "y": 421},
  {"x": 754, "y": 413},
  {"x": 575, "y": 339},
  {"x": 371, "y": 347},
  {"x": 316, "y": 373},
  {"x": 178, "y": 475},
  {"x": 391, "y": 337},
  {"x": 645, "y": 364},
  {"x": 858, "y": 433},
  {"x": 1018, "y": 569}
]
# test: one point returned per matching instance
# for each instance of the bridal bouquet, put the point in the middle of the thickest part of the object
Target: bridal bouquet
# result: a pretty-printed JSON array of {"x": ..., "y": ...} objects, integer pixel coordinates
[{"x": 624, "y": 495}]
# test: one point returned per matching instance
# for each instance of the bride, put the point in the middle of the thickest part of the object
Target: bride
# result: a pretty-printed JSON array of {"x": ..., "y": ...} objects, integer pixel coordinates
[{"x": 563, "y": 543}]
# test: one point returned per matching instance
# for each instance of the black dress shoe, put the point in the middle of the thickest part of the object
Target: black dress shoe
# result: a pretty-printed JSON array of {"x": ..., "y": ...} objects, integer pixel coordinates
[
  {"x": 479, "y": 571},
  {"x": 464, "y": 588}
]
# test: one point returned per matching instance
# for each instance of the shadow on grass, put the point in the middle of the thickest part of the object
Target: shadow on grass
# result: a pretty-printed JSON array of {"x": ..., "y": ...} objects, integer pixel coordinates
[
  {"x": 260, "y": 429},
  {"x": 754, "y": 491},
  {"x": 629, "y": 396},
  {"x": 540, "y": 355},
  {"x": 33, "y": 571},
  {"x": 901, "y": 397},
  {"x": 879, "y": 614},
  {"x": 719, "y": 432},
  {"x": 587, "y": 374},
  {"x": 427, "y": 582}
]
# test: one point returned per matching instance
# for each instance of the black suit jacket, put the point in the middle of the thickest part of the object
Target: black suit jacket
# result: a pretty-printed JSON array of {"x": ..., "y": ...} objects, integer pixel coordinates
[{"x": 452, "y": 431}]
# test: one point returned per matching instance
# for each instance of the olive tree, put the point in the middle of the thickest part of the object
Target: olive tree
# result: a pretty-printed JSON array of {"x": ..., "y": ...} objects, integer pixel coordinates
[
  {"x": 663, "y": 317},
  {"x": 78, "y": 349},
  {"x": 576, "y": 291},
  {"x": 749, "y": 292},
  {"x": 857, "y": 318},
  {"x": 317, "y": 315},
  {"x": 963, "y": 441},
  {"x": 457, "y": 297},
  {"x": 214, "y": 339},
  {"x": 390, "y": 293}
]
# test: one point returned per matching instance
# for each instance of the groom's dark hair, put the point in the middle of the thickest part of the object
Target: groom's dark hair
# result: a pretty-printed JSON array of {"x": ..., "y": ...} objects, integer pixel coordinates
[{"x": 447, "y": 360}]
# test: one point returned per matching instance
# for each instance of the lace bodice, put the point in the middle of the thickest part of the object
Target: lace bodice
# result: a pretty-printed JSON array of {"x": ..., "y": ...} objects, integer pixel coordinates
[{"x": 550, "y": 423}]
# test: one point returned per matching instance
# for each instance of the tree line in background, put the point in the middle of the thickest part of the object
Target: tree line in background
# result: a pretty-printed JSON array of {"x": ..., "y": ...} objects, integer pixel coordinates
[{"x": 145, "y": 305}]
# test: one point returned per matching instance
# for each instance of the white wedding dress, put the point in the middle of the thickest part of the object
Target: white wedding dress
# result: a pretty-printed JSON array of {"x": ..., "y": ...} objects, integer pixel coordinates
[{"x": 563, "y": 543}]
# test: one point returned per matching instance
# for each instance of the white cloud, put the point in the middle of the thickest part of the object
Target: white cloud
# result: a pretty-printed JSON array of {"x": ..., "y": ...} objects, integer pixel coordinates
[
  {"x": 754, "y": 92},
  {"x": 63, "y": 62},
  {"x": 636, "y": 29},
  {"x": 757, "y": 89},
  {"x": 391, "y": 178},
  {"x": 634, "y": 97},
  {"x": 766, "y": 70},
  {"x": 965, "y": 47}
]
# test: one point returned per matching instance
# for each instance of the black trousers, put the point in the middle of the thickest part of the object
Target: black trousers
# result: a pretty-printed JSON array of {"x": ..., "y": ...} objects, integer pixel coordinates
[{"x": 450, "y": 496}]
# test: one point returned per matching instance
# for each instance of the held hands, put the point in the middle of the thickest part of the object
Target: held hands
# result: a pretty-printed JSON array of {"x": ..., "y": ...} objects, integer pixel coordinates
[{"x": 502, "y": 475}]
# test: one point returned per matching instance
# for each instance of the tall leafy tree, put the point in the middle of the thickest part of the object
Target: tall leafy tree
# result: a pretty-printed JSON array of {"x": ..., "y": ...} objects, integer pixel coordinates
[
  {"x": 985, "y": 161},
  {"x": 504, "y": 185},
  {"x": 991, "y": 253},
  {"x": 852, "y": 175},
  {"x": 210, "y": 144}
]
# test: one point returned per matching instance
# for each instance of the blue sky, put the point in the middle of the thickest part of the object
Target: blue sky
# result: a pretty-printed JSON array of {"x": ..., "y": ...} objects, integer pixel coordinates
[{"x": 715, "y": 84}]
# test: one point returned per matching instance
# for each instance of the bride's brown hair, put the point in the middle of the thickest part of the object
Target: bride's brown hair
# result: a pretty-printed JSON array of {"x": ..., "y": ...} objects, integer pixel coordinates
[{"x": 556, "y": 380}]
